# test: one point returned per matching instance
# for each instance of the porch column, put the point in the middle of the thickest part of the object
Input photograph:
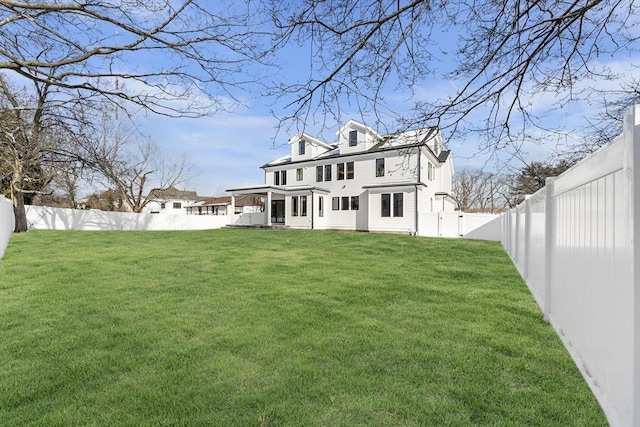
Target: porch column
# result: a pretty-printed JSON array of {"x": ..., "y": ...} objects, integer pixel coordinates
[{"x": 268, "y": 208}]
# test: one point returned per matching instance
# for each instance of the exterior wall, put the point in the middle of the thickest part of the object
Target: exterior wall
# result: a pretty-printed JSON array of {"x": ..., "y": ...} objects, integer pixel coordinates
[
  {"x": 574, "y": 243},
  {"x": 404, "y": 224},
  {"x": 7, "y": 223},
  {"x": 155, "y": 206}
]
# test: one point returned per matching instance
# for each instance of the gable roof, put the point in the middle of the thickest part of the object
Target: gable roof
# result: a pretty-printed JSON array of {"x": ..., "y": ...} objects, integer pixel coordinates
[{"x": 173, "y": 193}]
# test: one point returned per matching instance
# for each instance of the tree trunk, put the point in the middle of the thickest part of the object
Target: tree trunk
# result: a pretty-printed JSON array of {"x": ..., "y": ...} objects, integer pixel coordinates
[{"x": 19, "y": 212}]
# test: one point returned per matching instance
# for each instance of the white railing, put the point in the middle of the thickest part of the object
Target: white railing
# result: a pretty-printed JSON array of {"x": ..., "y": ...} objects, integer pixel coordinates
[
  {"x": 573, "y": 242},
  {"x": 7, "y": 223}
]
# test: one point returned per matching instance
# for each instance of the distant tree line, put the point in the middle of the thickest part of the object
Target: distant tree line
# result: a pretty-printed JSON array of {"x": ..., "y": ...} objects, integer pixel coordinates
[{"x": 479, "y": 191}]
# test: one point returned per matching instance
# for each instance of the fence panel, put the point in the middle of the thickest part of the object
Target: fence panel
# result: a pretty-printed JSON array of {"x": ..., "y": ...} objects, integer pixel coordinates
[
  {"x": 7, "y": 223},
  {"x": 574, "y": 244}
]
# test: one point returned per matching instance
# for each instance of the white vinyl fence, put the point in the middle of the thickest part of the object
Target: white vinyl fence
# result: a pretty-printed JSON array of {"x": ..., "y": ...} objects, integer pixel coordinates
[
  {"x": 7, "y": 223},
  {"x": 44, "y": 217},
  {"x": 453, "y": 224},
  {"x": 574, "y": 243}
]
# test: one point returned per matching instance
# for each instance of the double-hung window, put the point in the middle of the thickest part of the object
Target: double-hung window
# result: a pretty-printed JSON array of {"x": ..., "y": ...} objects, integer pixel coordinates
[
  {"x": 335, "y": 203},
  {"x": 350, "y": 170},
  {"x": 327, "y": 172},
  {"x": 294, "y": 205},
  {"x": 303, "y": 205},
  {"x": 276, "y": 178},
  {"x": 320, "y": 206},
  {"x": 353, "y": 138},
  {"x": 345, "y": 203},
  {"x": 355, "y": 203},
  {"x": 340, "y": 167},
  {"x": 301, "y": 148},
  {"x": 299, "y": 174},
  {"x": 398, "y": 204},
  {"x": 380, "y": 167},
  {"x": 283, "y": 177},
  {"x": 319, "y": 173},
  {"x": 386, "y": 207}
]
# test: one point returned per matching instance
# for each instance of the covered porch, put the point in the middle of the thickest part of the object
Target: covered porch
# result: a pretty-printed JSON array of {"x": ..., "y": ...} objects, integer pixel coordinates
[{"x": 276, "y": 203}]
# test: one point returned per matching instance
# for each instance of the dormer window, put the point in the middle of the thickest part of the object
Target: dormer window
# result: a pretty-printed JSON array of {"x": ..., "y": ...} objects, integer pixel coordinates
[
  {"x": 301, "y": 147},
  {"x": 353, "y": 138}
]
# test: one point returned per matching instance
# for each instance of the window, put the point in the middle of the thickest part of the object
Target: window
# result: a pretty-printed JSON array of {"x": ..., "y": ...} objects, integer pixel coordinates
[
  {"x": 345, "y": 203},
  {"x": 177, "y": 205},
  {"x": 385, "y": 204},
  {"x": 294, "y": 205},
  {"x": 430, "y": 171},
  {"x": 303, "y": 205},
  {"x": 335, "y": 203},
  {"x": 380, "y": 167},
  {"x": 299, "y": 174},
  {"x": 301, "y": 147},
  {"x": 340, "y": 167},
  {"x": 355, "y": 203},
  {"x": 353, "y": 138},
  {"x": 327, "y": 173},
  {"x": 163, "y": 205},
  {"x": 350, "y": 168},
  {"x": 276, "y": 178},
  {"x": 397, "y": 204},
  {"x": 283, "y": 177},
  {"x": 319, "y": 173},
  {"x": 320, "y": 206}
]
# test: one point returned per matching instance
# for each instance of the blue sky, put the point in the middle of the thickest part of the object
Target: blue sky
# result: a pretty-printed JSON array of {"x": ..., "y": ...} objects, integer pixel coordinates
[{"x": 227, "y": 149}]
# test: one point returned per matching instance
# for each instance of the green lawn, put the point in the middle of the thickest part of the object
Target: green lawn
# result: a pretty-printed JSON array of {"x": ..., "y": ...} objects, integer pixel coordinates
[{"x": 268, "y": 328}]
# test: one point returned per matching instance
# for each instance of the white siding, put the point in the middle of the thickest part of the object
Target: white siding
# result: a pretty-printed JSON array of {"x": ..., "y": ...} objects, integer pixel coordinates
[{"x": 406, "y": 223}]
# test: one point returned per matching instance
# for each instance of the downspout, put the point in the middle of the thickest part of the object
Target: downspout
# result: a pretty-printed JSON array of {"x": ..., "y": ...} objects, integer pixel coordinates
[
  {"x": 416, "y": 208},
  {"x": 313, "y": 212},
  {"x": 416, "y": 189}
]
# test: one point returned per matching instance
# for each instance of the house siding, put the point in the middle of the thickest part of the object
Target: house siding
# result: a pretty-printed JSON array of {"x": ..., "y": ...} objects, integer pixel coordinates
[
  {"x": 406, "y": 166},
  {"x": 404, "y": 224}
]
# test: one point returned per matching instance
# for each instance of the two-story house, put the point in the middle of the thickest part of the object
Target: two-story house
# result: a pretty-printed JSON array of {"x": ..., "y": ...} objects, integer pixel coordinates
[{"x": 365, "y": 181}]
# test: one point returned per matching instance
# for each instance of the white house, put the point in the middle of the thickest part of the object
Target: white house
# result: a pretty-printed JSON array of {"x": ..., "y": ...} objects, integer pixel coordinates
[
  {"x": 365, "y": 181},
  {"x": 170, "y": 201}
]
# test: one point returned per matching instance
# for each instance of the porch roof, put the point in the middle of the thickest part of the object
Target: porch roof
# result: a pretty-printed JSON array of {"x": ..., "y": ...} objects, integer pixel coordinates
[
  {"x": 395, "y": 184},
  {"x": 262, "y": 190}
]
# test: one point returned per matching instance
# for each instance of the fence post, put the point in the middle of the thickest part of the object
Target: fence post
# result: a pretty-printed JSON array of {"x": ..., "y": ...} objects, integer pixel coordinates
[
  {"x": 527, "y": 237},
  {"x": 549, "y": 243},
  {"x": 632, "y": 128}
]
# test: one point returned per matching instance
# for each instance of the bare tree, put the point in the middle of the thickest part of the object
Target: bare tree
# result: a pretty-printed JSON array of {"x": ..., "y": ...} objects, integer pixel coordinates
[
  {"x": 473, "y": 190},
  {"x": 129, "y": 163},
  {"x": 74, "y": 55},
  {"x": 26, "y": 140},
  {"x": 83, "y": 46},
  {"x": 507, "y": 53}
]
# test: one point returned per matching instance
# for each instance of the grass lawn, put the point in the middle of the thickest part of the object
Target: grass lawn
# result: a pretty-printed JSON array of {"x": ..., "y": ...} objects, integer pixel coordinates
[{"x": 268, "y": 328}]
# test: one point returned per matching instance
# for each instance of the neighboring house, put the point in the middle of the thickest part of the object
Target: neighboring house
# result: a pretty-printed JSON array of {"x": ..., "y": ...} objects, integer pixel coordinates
[
  {"x": 365, "y": 181},
  {"x": 222, "y": 206},
  {"x": 170, "y": 201}
]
